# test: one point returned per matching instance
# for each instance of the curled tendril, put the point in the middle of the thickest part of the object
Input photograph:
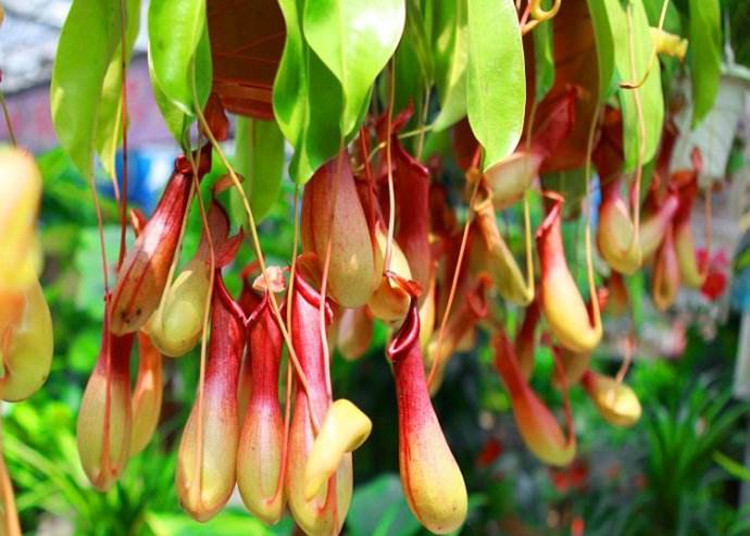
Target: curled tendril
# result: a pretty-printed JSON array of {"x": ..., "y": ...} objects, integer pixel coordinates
[{"x": 540, "y": 14}]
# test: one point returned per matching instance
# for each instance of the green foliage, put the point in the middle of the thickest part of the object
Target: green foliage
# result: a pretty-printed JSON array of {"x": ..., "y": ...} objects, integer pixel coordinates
[
  {"x": 544, "y": 58},
  {"x": 108, "y": 135},
  {"x": 307, "y": 100},
  {"x": 450, "y": 45},
  {"x": 84, "y": 92},
  {"x": 180, "y": 53},
  {"x": 682, "y": 444},
  {"x": 495, "y": 61},
  {"x": 705, "y": 55},
  {"x": 259, "y": 157},
  {"x": 379, "y": 508},
  {"x": 40, "y": 447},
  {"x": 229, "y": 522},
  {"x": 633, "y": 51},
  {"x": 354, "y": 39}
]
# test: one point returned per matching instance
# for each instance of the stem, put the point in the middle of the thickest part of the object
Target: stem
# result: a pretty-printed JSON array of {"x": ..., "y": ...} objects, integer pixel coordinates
[
  {"x": 560, "y": 369},
  {"x": 628, "y": 348},
  {"x": 289, "y": 378}
]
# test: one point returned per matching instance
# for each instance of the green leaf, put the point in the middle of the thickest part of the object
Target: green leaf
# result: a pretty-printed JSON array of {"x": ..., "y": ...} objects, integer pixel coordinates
[
  {"x": 570, "y": 183},
  {"x": 544, "y": 58},
  {"x": 652, "y": 100},
  {"x": 259, "y": 155},
  {"x": 307, "y": 100},
  {"x": 355, "y": 39},
  {"x": 88, "y": 40},
  {"x": 176, "y": 120},
  {"x": 414, "y": 67},
  {"x": 496, "y": 81},
  {"x": 108, "y": 135},
  {"x": 179, "y": 49},
  {"x": 605, "y": 47},
  {"x": 227, "y": 523},
  {"x": 379, "y": 508},
  {"x": 705, "y": 56},
  {"x": 450, "y": 42},
  {"x": 416, "y": 33}
]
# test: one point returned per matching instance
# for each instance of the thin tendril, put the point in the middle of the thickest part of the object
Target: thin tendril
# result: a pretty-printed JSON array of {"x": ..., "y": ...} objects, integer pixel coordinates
[
  {"x": 454, "y": 285},
  {"x": 627, "y": 355},
  {"x": 206, "y": 314},
  {"x": 389, "y": 166},
  {"x": 289, "y": 377},
  {"x": 539, "y": 13},
  {"x": 8, "y": 122},
  {"x": 527, "y": 209},
  {"x": 560, "y": 369},
  {"x": 11, "y": 524},
  {"x": 589, "y": 254},
  {"x": 178, "y": 249},
  {"x": 324, "y": 280},
  {"x": 102, "y": 245},
  {"x": 259, "y": 254},
  {"x": 423, "y": 122},
  {"x": 401, "y": 136},
  {"x": 636, "y": 197},
  {"x": 652, "y": 58},
  {"x": 124, "y": 119}
]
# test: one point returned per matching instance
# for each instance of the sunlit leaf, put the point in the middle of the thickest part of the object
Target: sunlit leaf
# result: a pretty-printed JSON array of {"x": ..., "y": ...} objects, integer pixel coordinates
[
  {"x": 705, "y": 55},
  {"x": 176, "y": 29},
  {"x": 355, "y": 39},
  {"x": 307, "y": 100},
  {"x": 736, "y": 469},
  {"x": 109, "y": 121},
  {"x": 259, "y": 154},
  {"x": 451, "y": 50},
  {"x": 174, "y": 118},
  {"x": 88, "y": 40},
  {"x": 496, "y": 82}
]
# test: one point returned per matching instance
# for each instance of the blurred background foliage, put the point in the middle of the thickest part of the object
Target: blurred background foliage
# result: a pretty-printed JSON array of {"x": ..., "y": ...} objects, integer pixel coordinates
[{"x": 675, "y": 472}]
